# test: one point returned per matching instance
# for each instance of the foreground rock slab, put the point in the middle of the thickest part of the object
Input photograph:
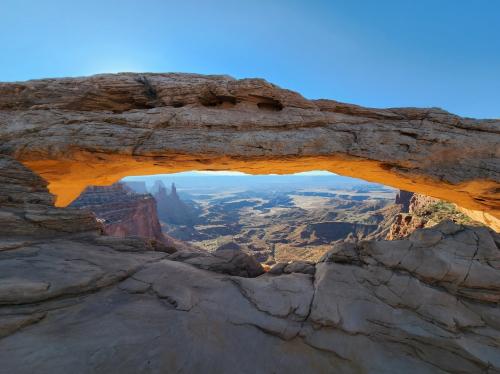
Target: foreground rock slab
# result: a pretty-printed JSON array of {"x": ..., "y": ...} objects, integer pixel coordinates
[{"x": 355, "y": 315}]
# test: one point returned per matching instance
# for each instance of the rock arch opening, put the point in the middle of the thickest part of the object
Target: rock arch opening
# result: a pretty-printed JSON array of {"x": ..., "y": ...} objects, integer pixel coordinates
[
  {"x": 68, "y": 178},
  {"x": 275, "y": 219}
]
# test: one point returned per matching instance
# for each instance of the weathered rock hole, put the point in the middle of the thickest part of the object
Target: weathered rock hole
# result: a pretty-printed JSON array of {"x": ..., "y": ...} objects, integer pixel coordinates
[
  {"x": 272, "y": 105},
  {"x": 149, "y": 89},
  {"x": 219, "y": 101}
]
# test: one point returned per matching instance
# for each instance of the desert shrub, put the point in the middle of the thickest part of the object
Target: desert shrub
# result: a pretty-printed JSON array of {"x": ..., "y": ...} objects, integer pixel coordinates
[{"x": 441, "y": 210}]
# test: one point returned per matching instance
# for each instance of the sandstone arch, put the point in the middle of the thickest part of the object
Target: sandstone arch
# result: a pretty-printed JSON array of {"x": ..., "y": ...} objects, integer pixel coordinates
[{"x": 96, "y": 130}]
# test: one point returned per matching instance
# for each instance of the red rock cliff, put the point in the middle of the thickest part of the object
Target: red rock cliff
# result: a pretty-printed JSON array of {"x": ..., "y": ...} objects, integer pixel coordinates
[
  {"x": 123, "y": 212},
  {"x": 419, "y": 211}
]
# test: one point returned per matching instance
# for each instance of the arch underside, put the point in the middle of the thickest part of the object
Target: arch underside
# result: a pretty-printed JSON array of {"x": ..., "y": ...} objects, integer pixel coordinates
[{"x": 67, "y": 179}]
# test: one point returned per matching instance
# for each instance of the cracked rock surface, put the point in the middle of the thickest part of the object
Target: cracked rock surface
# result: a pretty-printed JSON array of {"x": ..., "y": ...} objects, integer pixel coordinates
[{"x": 77, "y": 301}]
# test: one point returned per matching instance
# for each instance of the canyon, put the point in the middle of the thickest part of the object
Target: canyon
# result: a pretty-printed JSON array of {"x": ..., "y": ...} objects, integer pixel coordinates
[
  {"x": 75, "y": 299},
  {"x": 273, "y": 218}
]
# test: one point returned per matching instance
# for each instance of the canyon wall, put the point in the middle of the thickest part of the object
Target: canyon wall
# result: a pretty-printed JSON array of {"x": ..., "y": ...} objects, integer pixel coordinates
[
  {"x": 122, "y": 212},
  {"x": 403, "y": 198},
  {"x": 95, "y": 130},
  {"x": 420, "y": 211}
]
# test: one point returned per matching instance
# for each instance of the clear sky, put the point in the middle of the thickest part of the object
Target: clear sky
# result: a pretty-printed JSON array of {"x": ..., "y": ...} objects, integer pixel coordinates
[
  {"x": 226, "y": 173},
  {"x": 378, "y": 53}
]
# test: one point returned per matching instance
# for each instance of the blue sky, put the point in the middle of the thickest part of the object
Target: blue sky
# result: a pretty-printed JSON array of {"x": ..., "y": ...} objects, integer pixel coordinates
[
  {"x": 226, "y": 173},
  {"x": 380, "y": 53}
]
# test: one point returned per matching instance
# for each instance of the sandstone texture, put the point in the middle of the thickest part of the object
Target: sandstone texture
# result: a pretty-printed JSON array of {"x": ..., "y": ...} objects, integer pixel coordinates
[
  {"x": 122, "y": 212},
  {"x": 410, "y": 218},
  {"x": 403, "y": 198},
  {"x": 73, "y": 300},
  {"x": 27, "y": 208},
  {"x": 95, "y": 130},
  {"x": 419, "y": 211}
]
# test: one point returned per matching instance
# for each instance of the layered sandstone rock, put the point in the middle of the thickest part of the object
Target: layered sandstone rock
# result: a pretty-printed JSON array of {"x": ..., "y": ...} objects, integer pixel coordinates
[
  {"x": 95, "y": 130},
  {"x": 419, "y": 202},
  {"x": 78, "y": 301},
  {"x": 420, "y": 211},
  {"x": 27, "y": 208},
  {"x": 403, "y": 225},
  {"x": 122, "y": 212},
  {"x": 403, "y": 198},
  {"x": 408, "y": 220}
]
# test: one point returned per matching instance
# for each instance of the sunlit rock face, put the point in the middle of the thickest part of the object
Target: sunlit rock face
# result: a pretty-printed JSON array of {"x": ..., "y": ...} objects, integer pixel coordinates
[
  {"x": 95, "y": 130},
  {"x": 403, "y": 198},
  {"x": 411, "y": 217},
  {"x": 419, "y": 211},
  {"x": 122, "y": 212}
]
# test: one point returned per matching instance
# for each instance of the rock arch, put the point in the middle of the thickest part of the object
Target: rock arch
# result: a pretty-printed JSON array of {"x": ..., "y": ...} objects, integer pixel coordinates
[{"x": 96, "y": 130}]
